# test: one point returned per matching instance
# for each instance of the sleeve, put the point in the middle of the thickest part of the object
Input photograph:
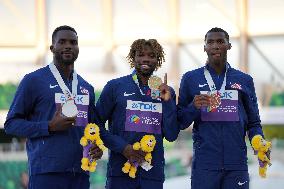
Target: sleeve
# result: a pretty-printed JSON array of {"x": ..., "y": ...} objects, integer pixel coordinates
[
  {"x": 17, "y": 122},
  {"x": 170, "y": 127},
  {"x": 187, "y": 112},
  {"x": 251, "y": 107},
  {"x": 92, "y": 107},
  {"x": 104, "y": 110}
]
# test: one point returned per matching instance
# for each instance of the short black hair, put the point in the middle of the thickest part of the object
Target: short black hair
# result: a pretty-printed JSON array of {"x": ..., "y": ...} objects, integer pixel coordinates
[
  {"x": 64, "y": 27},
  {"x": 138, "y": 45},
  {"x": 216, "y": 29}
]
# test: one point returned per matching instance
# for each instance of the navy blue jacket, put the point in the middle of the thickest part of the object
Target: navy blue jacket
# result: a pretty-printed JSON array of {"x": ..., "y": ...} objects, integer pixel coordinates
[
  {"x": 111, "y": 107},
  {"x": 33, "y": 106},
  {"x": 219, "y": 144}
]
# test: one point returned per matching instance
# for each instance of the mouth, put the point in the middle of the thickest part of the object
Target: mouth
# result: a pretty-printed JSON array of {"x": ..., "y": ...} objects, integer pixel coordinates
[
  {"x": 92, "y": 133},
  {"x": 145, "y": 66},
  {"x": 216, "y": 55},
  {"x": 67, "y": 53}
]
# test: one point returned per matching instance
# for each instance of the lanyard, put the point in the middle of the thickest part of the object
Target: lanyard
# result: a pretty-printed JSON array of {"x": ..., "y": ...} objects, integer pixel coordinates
[
  {"x": 155, "y": 94},
  {"x": 64, "y": 88},
  {"x": 211, "y": 83},
  {"x": 135, "y": 79}
]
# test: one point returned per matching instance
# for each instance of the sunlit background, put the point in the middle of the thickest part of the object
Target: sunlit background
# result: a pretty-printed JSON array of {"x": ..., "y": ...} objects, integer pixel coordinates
[{"x": 106, "y": 29}]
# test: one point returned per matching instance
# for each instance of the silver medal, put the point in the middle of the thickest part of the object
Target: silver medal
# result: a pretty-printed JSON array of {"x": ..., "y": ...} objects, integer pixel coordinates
[{"x": 69, "y": 109}]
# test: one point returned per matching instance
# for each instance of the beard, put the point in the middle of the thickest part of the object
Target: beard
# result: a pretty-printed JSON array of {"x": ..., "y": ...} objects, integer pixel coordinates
[{"x": 59, "y": 57}]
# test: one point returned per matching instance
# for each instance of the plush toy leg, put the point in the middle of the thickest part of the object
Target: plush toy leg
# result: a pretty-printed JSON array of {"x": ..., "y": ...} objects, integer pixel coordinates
[
  {"x": 85, "y": 164},
  {"x": 93, "y": 166},
  {"x": 126, "y": 167},
  {"x": 262, "y": 171},
  {"x": 132, "y": 172}
]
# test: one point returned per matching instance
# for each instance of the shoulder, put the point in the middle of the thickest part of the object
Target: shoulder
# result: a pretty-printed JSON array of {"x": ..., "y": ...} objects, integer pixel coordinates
[
  {"x": 193, "y": 76},
  {"x": 194, "y": 73},
  {"x": 35, "y": 75},
  {"x": 240, "y": 75},
  {"x": 119, "y": 81},
  {"x": 83, "y": 81}
]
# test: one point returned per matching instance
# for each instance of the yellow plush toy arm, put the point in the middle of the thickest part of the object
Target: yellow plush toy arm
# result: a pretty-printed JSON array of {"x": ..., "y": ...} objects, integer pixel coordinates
[
  {"x": 100, "y": 144},
  {"x": 136, "y": 146},
  {"x": 84, "y": 141},
  {"x": 148, "y": 157}
]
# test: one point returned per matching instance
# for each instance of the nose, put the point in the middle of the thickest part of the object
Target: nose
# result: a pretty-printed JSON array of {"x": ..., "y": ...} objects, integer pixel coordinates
[
  {"x": 147, "y": 59},
  {"x": 216, "y": 45},
  {"x": 68, "y": 45}
]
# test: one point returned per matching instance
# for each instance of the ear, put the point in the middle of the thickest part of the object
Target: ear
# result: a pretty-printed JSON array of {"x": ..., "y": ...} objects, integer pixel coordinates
[
  {"x": 229, "y": 46},
  {"x": 51, "y": 48}
]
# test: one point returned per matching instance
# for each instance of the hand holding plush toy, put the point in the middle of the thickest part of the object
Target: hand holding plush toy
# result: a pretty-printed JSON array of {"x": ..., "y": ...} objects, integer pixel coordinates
[
  {"x": 146, "y": 144},
  {"x": 262, "y": 149},
  {"x": 91, "y": 137}
]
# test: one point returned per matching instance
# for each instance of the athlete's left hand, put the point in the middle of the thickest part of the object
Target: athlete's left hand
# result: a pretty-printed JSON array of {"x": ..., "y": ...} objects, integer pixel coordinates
[
  {"x": 165, "y": 90},
  {"x": 95, "y": 152}
]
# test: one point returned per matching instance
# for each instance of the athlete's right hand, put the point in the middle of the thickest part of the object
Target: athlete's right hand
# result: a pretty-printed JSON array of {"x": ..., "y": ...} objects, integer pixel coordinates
[
  {"x": 59, "y": 122},
  {"x": 134, "y": 155},
  {"x": 202, "y": 100}
]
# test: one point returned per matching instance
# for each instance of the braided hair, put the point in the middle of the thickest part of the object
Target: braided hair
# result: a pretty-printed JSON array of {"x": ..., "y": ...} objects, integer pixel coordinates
[{"x": 138, "y": 45}]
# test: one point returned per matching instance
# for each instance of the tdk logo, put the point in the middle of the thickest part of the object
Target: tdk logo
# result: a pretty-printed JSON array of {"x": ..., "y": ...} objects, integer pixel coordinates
[
  {"x": 226, "y": 95},
  {"x": 144, "y": 106},
  {"x": 79, "y": 99}
]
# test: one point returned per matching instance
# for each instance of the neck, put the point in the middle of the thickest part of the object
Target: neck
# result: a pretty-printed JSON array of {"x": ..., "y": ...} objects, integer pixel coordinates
[
  {"x": 65, "y": 69},
  {"x": 218, "y": 67},
  {"x": 143, "y": 79}
]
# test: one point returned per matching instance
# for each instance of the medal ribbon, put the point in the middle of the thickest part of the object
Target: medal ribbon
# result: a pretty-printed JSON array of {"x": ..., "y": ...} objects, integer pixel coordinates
[
  {"x": 64, "y": 88},
  {"x": 215, "y": 94},
  {"x": 135, "y": 79},
  {"x": 211, "y": 83}
]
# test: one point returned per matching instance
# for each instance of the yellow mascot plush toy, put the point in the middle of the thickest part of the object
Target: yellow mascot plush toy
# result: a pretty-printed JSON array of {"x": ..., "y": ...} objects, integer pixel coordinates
[
  {"x": 262, "y": 148},
  {"x": 146, "y": 144},
  {"x": 91, "y": 137}
]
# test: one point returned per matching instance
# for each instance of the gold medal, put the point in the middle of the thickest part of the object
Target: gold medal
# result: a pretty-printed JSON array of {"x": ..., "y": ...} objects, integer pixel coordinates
[{"x": 154, "y": 82}]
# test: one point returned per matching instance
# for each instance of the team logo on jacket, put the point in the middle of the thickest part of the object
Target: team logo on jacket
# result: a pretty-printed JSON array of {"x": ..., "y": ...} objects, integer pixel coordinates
[
  {"x": 143, "y": 117},
  {"x": 224, "y": 107},
  {"x": 236, "y": 86},
  {"x": 84, "y": 91}
]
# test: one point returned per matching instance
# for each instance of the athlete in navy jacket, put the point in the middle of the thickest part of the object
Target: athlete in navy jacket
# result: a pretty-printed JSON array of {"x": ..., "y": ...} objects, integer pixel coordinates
[
  {"x": 53, "y": 145},
  {"x": 221, "y": 101},
  {"x": 126, "y": 103}
]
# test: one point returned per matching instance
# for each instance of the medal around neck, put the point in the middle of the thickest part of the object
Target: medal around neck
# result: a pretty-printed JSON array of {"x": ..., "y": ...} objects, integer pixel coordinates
[
  {"x": 69, "y": 109},
  {"x": 154, "y": 83}
]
